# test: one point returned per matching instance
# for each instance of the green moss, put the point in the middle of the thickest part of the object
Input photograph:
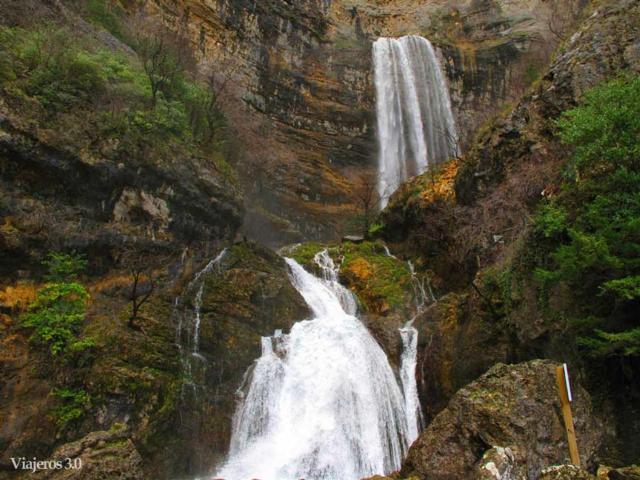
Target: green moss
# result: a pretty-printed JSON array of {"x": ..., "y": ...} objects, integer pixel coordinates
[
  {"x": 382, "y": 283},
  {"x": 121, "y": 442},
  {"x": 73, "y": 405},
  {"x": 304, "y": 253}
]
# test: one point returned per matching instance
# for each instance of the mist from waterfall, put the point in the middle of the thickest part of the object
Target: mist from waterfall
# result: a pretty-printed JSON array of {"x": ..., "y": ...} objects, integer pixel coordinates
[
  {"x": 415, "y": 124},
  {"x": 321, "y": 403}
]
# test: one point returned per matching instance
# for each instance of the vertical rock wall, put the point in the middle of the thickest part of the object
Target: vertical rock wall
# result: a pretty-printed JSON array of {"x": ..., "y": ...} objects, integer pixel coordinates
[{"x": 302, "y": 76}]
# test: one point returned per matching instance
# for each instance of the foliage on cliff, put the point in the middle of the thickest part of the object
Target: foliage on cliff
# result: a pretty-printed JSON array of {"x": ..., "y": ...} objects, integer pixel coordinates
[
  {"x": 110, "y": 100},
  {"x": 59, "y": 309},
  {"x": 590, "y": 233}
]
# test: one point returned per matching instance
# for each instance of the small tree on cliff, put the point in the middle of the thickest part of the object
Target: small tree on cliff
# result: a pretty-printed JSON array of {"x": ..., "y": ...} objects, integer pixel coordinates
[
  {"x": 165, "y": 55},
  {"x": 141, "y": 266},
  {"x": 59, "y": 309},
  {"x": 367, "y": 199}
]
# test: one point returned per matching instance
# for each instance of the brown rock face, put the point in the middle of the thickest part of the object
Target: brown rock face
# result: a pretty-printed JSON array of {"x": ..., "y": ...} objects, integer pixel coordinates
[
  {"x": 99, "y": 455},
  {"x": 304, "y": 71},
  {"x": 514, "y": 406},
  {"x": 457, "y": 343}
]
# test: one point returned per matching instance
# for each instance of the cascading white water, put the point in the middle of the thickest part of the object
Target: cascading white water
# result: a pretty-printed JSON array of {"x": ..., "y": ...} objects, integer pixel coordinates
[
  {"x": 193, "y": 364},
  {"x": 322, "y": 402},
  {"x": 408, "y": 359},
  {"x": 419, "y": 291},
  {"x": 330, "y": 278},
  {"x": 408, "y": 362},
  {"x": 197, "y": 304},
  {"x": 415, "y": 122}
]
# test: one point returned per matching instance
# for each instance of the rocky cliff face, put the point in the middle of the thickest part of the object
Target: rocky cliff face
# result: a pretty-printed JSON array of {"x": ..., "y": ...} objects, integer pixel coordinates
[
  {"x": 302, "y": 72},
  {"x": 56, "y": 197},
  {"x": 164, "y": 410}
]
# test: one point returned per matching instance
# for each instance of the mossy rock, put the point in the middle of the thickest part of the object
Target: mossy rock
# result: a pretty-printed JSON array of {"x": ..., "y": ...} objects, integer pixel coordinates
[{"x": 381, "y": 282}]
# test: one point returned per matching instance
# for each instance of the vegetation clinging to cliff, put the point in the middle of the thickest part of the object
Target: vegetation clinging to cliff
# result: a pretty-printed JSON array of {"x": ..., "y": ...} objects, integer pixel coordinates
[
  {"x": 59, "y": 308},
  {"x": 90, "y": 96},
  {"x": 592, "y": 229}
]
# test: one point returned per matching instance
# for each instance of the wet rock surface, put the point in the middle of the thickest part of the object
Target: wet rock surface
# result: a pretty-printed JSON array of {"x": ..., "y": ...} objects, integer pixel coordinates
[{"x": 514, "y": 406}]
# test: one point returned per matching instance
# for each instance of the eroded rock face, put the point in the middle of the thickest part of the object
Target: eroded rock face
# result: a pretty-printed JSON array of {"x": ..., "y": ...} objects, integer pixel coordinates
[
  {"x": 605, "y": 45},
  {"x": 497, "y": 463},
  {"x": 514, "y": 406},
  {"x": 58, "y": 197},
  {"x": 99, "y": 455},
  {"x": 304, "y": 69}
]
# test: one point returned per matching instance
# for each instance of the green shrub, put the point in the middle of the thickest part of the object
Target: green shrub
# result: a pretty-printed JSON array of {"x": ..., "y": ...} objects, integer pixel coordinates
[
  {"x": 59, "y": 308},
  {"x": 54, "y": 76},
  {"x": 592, "y": 228},
  {"x": 63, "y": 267},
  {"x": 73, "y": 405},
  {"x": 604, "y": 129}
]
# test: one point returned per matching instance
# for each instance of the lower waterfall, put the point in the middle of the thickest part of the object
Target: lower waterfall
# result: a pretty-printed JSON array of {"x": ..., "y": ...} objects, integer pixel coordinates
[{"x": 322, "y": 402}]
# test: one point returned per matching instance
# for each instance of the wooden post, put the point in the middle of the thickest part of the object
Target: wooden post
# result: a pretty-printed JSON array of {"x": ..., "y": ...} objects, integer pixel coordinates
[{"x": 562, "y": 379}]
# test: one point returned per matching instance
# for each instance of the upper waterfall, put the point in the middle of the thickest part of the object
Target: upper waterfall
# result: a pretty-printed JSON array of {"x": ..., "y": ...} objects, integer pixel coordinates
[
  {"x": 321, "y": 403},
  {"x": 415, "y": 122}
]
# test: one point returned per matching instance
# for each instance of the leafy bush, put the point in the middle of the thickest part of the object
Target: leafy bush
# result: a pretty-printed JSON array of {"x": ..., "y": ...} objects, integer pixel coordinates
[
  {"x": 74, "y": 404},
  {"x": 107, "y": 15},
  {"x": 59, "y": 308},
  {"x": 63, "y": 267},
  {"x": 139, "y": 102},
  {"x": 593, "y": 227}
]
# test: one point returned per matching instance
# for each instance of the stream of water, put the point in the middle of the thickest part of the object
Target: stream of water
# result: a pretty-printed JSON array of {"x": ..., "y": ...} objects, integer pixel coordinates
[
  {"x": 322, "y": 402},
  {"x": 415, "y": 121}
]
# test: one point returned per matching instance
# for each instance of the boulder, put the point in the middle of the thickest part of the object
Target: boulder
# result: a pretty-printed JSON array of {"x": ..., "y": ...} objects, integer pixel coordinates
[
  {"x": 565, "y": 472},
  {"x": 514, "y": 406},
  {"x": 625, "y": 473},
  {"x": 99, "y": 455}
]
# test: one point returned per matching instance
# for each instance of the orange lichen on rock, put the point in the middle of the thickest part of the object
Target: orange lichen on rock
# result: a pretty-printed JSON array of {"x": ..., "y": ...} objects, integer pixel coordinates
[
  {"x": 440, "y": 183},
  {"x": 361, "y": 269},
  {"x": 18, "y": 297}
]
